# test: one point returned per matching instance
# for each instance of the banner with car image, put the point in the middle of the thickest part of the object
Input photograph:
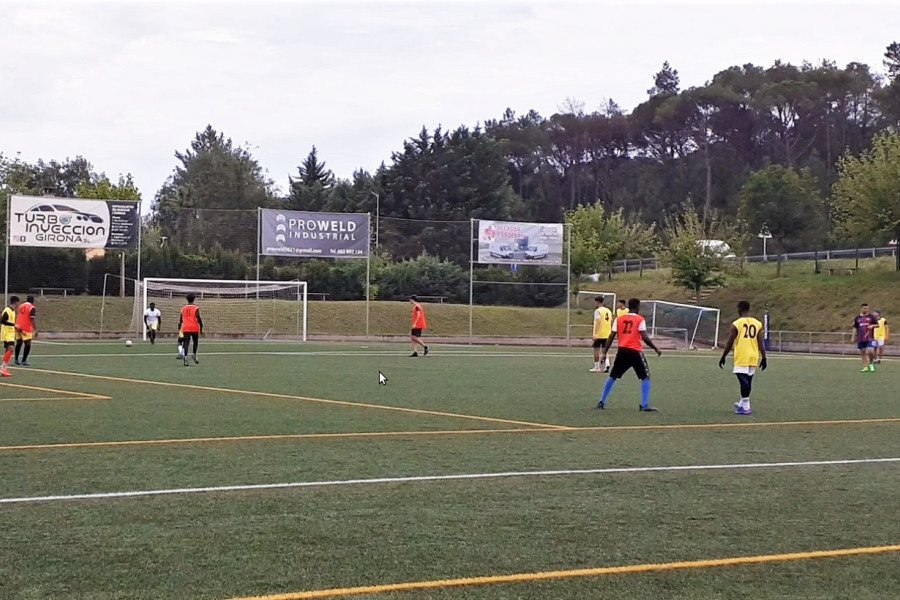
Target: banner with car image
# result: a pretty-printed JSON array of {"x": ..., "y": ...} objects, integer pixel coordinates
[
  {"x": 46, "y": 222},
  {"x": 312, "y": 234},
  {"x": 505, "y": 242}
]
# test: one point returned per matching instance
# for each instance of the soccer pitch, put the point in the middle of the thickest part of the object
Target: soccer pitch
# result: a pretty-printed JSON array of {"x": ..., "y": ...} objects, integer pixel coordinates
[{"x": 287, "y": 472}]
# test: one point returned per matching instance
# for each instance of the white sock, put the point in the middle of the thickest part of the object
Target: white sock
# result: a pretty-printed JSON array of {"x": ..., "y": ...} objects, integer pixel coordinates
[
  {"x": 607, "y": 363},
  {"x": 597, "y": 364},
  {"x": 745, "y": 403}
]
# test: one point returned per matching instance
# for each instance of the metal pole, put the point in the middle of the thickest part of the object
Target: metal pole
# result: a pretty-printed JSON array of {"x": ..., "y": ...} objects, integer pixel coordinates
[
  {"x": 471, "y": 272},
  {"x": 368, "y": 266},
  {"x": 140, "y": 249},
  {"x": 258, "y": 252},
  {"x": 103, "y": 305},
  {"x": 569, "y": 284},
  {"x": 6, "y": 271},
  {"x": 377, "y": 216}
]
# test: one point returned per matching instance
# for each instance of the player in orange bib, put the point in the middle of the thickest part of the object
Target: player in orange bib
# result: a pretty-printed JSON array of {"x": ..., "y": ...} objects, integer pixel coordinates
[
  {"x": 25, "y": 330},
  {"x": 191, "y": 325},
  {"x": 419, "y": 324},
  {"x": 631, "y": 329}
]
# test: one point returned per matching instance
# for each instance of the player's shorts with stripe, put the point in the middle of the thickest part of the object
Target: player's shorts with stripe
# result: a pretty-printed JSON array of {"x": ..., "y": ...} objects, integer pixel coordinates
[
  {"x": 751, "y": 371},
  {"x": 630, "y": 359},
  {"x": 599, "y": 343},
  {"x": 864, "y": 345}
]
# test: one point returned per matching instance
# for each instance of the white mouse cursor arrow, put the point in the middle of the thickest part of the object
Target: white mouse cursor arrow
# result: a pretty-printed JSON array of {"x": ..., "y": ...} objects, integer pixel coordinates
[{"x": 382, "y": 380}]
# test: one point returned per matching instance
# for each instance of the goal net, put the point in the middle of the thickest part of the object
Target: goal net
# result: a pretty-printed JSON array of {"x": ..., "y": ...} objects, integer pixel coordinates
[
  {"x": 229, "y": 308},
  {"x": 582, "y": 321},
  {"x": 690, "y": 325}
]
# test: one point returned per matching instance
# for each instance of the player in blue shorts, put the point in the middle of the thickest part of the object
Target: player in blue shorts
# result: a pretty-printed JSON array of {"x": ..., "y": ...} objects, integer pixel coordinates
[{"x": 864, "y": 326}]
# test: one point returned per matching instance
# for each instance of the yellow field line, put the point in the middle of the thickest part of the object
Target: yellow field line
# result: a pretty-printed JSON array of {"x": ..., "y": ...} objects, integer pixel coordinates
[
  {"x": 55, "y": 391},
  {"x": 452, "y": 432},
  {"x": 594, "y": 572},
  {"x": 305, "y": 399},
  {"x": 56, "y": 399}
]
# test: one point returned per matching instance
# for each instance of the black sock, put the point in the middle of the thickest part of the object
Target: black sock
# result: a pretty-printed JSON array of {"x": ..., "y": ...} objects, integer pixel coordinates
[
  {"x": 27, "y": 351},
  {"x": 746, "y": 382},
  {"x": 18, "y": 348}
]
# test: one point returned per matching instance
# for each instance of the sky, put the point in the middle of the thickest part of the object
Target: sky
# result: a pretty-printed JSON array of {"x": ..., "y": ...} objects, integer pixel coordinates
[{"x": 126, "y": 84}]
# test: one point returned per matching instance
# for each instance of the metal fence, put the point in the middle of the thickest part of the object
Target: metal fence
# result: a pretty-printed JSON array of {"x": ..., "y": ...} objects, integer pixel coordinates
[
  {"x": 632, "y": 265},
  {"x": 819, "y": 342}
]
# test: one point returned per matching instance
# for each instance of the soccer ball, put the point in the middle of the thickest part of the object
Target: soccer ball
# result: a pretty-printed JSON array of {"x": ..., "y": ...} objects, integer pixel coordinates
[{"x": 128, "y": 343}]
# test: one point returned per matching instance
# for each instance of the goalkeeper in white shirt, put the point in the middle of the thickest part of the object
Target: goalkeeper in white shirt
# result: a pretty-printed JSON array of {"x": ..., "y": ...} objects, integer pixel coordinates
[{"x": 153, "y": 321}]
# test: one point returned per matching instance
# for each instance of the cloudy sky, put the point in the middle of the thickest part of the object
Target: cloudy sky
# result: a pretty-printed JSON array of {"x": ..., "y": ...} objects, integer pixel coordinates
[{"x": 126, "y": 84}]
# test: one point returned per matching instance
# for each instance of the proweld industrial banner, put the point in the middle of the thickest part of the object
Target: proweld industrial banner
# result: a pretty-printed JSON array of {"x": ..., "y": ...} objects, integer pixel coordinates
[
  {"x": 70, "y": 223},
  {"x": 311, "y": 234},
  {"x": 505, "y": 242}
]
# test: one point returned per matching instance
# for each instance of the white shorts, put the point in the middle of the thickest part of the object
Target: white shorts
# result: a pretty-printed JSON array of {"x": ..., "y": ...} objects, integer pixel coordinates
[
  {"x": 879, "y": 343},
  {"x": 751, "y": 371},
  {"x": 154, "y": 326}
]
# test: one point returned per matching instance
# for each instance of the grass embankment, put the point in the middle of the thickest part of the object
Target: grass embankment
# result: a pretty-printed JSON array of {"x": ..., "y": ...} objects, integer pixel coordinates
[{"x": 799, "y": 300}]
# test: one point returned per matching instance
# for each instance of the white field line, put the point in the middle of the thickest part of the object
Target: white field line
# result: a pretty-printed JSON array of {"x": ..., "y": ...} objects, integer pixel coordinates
[
  {"x": 430, "y": 478},
  {"x": 453, "y": 354}
]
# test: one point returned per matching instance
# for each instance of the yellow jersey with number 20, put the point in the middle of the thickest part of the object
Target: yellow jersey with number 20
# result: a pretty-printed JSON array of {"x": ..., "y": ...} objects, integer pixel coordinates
[{"x": 746, "y": 345}]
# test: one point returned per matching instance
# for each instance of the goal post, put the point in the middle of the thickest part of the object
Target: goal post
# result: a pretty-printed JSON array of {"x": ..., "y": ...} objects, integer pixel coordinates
[
  {"x": 246, "y": 309},
  {"x": 696, "y": 325}
]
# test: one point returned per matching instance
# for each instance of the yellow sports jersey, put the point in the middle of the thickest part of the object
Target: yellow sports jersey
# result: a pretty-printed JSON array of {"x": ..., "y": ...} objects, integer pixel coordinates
[
  {"x": 881, "y": 331},
  {"x": 746, "y": 344},
  {"x": 602, "y": 323},
  {"x": 621, "y": 311},
  {"x": 8, "y": 332}
]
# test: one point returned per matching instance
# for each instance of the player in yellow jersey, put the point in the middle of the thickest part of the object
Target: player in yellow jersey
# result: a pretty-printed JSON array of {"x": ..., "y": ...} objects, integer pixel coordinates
[
  {"x": 749, "y": 353},
  {"x": 602, "y": 330},
  {"x": 621, "y": 308},
  {"x": 882, "y": 335},
  {"x": 8, "y": 333}
]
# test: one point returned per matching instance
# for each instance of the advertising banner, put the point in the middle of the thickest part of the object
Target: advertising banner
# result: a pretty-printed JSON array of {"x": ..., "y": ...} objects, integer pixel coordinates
[
  {"x": 73, "y": 223},
  {"x": 317, "y": 235},
  {"x": 504, "y": 242}
]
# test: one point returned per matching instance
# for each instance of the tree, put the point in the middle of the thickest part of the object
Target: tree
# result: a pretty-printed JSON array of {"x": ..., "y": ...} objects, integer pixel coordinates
[
  {"x": 213, "y": 195},
  {"x": 443, "y": 177},
  {"x": 788, "y": 203},
  {"x": 694, "y": 266},
  {"x": 600, "y": 238},
  {"x": 867, "y": 192},
  {"x": 103, "y": 189},
  {"x": 311, "y": 190},
  {"x": 666, "y": 81},
  {"x": 892, "y": 60}
]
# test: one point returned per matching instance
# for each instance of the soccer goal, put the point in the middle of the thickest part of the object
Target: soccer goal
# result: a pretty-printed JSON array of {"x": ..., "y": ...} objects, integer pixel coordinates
[
  {"x": 229, "y": 308},
  {"x": 692, "y": 325}
]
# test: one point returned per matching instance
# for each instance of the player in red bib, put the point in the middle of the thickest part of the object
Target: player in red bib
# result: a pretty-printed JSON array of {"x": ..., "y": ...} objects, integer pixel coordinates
[
  {"x": 631, "y": 329},
  {"x": 191, "y": 325},
  {"x": 419, "y": 324}
]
